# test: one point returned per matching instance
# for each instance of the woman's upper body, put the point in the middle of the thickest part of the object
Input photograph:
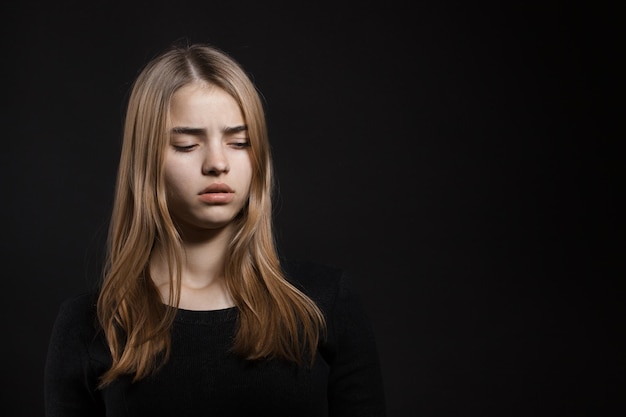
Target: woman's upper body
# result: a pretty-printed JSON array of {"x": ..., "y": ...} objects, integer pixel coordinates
[
  {"x": 204, "y": 377},
  {"x": 195, "y": 312}
]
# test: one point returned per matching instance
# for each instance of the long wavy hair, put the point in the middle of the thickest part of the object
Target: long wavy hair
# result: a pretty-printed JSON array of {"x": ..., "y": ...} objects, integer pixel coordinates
[{"x": 276, "y": 320}]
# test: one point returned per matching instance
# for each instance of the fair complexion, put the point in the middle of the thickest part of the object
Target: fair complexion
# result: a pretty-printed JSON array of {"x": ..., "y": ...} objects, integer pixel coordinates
[{"x": 208, "y": 172}]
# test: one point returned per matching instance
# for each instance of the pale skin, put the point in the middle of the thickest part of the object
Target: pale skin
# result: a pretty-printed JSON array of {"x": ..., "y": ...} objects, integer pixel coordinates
[{"x": 208, "y": 172}]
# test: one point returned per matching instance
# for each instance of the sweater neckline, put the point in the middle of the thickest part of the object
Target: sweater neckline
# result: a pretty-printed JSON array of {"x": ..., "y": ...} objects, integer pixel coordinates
[{"x": 206, "y": 316}]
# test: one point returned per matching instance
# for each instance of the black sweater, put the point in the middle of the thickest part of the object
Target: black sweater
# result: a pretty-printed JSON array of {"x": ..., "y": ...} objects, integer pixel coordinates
[{"x": 204, "y": 378}]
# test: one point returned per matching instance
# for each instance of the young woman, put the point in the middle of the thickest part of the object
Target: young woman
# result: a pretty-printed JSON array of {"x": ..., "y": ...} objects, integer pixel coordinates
[{"x": 196, "y": 314}]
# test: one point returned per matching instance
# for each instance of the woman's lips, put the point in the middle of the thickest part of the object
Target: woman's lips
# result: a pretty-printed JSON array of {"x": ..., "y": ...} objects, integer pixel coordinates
[{"x": 217, "y": 193}]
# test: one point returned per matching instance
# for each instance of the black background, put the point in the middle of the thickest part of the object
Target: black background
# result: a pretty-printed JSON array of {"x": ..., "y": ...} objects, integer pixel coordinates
[{"x": 459, "y": 159}]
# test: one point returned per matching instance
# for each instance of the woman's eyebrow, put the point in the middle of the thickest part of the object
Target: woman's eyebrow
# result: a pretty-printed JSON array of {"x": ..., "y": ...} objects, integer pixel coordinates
[
  {"x": 198, "y": 131},
  {"x": 235, "y": 129},
  {"x": 194, "y": 131}
]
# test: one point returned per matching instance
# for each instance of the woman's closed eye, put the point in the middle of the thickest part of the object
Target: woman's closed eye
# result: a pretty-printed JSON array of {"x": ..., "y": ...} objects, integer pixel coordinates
[
  {"x": 240, "y": 143},
  {"x": 184, "y": 148}
]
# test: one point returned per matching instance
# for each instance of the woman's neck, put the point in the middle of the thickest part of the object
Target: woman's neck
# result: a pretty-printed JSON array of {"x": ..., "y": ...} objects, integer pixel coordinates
[{"x": 202, "y": 281}]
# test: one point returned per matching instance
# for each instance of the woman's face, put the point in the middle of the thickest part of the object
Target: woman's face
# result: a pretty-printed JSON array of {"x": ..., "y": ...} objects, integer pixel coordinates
[{"x": 207, "y": 164}]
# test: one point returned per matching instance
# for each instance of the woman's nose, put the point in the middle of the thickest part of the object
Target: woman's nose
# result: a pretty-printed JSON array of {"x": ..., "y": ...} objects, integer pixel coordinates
[{"x": 215, "y": 161}]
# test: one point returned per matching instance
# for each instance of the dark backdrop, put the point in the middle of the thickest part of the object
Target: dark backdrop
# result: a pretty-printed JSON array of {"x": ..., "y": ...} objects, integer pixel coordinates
[{"x": 457, "y": 158}]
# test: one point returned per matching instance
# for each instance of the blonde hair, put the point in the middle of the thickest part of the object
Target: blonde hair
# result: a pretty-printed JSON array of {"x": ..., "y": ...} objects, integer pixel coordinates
[{"x": 275, "y": 318}]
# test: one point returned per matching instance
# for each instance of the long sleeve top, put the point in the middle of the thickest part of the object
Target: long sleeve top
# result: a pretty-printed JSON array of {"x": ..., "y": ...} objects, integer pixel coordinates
[{"x": 203, "y": 377}]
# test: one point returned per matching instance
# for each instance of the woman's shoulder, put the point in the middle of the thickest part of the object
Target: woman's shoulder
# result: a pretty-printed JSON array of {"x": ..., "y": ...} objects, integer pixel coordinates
[
  {"x": 79, "y": 312},
  {"x": 82, "y": 301},
  {"x": 76, "y": 346}
]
